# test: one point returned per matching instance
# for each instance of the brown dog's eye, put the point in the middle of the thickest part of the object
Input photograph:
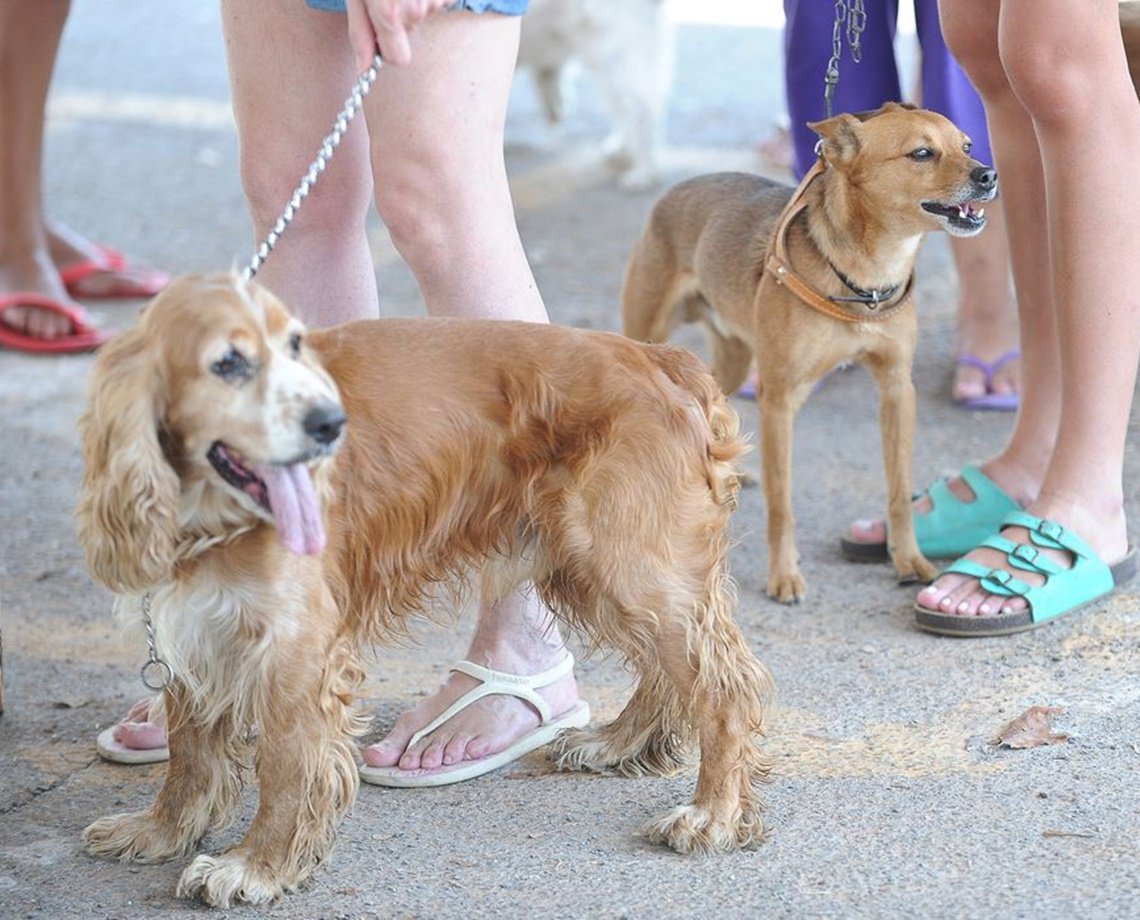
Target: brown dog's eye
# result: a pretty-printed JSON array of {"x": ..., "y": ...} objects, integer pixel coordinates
[
  {"x": 922, "y": 153},
  {"x": 233, "y": 365},
  {"x": 967, "y": 147},
  {"x": 295, "y": 344}
]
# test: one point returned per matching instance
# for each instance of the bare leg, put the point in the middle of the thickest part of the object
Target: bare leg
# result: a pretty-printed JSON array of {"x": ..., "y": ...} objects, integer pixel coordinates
[
  {"x": 987, "y": 314},
  {"x": 436, "y": 131},
  {"x": 29, "y": 41},
  {"x": 1071, "y": 206},
  {"x": 32, "y": 248}
]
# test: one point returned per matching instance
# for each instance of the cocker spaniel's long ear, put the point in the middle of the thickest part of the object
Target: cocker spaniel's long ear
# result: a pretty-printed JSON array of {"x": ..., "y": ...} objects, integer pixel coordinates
[{"x": 128, "y": 505}]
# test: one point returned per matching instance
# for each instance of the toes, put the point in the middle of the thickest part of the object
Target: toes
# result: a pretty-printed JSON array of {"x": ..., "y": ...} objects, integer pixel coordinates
[
  {"x": 869, "y": 530},
  {"x": 382, "y": 754},
  {"x": 140, "y": 736},
  {"x": 968, "y": 384}
]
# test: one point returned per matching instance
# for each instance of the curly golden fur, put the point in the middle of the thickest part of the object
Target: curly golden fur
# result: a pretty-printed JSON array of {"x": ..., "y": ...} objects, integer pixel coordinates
[{"x": 602, "y": 470}]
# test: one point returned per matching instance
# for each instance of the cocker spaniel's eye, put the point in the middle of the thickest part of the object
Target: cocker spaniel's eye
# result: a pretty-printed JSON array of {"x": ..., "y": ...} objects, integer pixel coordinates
[
  {"x": 967, "y": 147},
  {"x": 233, "y": 365},
  {"x": 295, "y": 341},
  {"x": 922, "y": 153}
]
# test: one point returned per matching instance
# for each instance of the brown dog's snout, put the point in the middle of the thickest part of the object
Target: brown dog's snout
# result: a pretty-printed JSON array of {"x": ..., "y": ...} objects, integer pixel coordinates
[
  {"x": 324, "y": 422},
  {"x": 984, "y": 177}
]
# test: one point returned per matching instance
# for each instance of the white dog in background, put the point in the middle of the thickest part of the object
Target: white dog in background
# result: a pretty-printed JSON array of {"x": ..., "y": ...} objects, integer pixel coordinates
[{"x": 626, "y": 48}]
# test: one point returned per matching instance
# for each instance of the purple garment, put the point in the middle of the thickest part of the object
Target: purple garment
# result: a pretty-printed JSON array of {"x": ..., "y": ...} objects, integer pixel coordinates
[{"x": 875, "y": 79}]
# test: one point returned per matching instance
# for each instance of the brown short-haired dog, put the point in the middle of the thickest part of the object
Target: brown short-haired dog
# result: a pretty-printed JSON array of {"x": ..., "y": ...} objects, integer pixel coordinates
[
  {"x": 803, "y": 280},
  {"x": 272, "y": 539}
]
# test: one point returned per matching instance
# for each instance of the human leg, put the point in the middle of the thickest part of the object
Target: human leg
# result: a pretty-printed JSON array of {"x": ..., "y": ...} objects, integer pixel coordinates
[
  {"x": 442, "y": 190},
  {"x": 970, "y": 30},
  {"x": 29, "y": 41},
  {"x": 1070, "y": 207},
  {"x": 290, "y": 70},
  {"x": 987, "y": 313},
  {"x": 441, "y": 187},
  {"x": 33, "y": 250}
]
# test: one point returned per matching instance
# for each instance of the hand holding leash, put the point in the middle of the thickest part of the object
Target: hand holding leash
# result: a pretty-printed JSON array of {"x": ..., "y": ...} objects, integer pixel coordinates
[{"x": 386, "y": 24}]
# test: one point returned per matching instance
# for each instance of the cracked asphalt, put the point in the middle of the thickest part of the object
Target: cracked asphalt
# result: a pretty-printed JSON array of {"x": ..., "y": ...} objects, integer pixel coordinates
[{"x": 889, "y": 799}]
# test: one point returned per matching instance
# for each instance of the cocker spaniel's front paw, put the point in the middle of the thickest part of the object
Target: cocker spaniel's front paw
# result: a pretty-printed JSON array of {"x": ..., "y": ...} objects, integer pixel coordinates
[
  {"x": 135, "y": 837},
  {"x": 224, "y": 880}
]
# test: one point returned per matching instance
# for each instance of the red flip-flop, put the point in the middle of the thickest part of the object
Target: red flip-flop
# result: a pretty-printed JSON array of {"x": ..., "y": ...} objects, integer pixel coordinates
[
  {"x": 82, "y": 337},
  {"x": 111, "y": 261}
]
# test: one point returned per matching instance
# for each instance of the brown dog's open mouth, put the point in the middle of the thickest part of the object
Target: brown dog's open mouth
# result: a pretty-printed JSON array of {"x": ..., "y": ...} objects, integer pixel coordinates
[
  {"x": 964, "y": 218},
  {"x": 285, "y": 491}
]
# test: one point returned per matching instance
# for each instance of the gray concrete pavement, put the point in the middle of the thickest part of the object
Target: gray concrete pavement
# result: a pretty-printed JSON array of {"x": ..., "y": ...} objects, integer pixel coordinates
[{"x": 889, "y": 799}]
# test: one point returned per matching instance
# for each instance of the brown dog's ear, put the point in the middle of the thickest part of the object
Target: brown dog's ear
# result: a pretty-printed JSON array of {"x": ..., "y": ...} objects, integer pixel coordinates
[
  {"x": 128, "y": 504},
  {"x": 839, "y": 138}
]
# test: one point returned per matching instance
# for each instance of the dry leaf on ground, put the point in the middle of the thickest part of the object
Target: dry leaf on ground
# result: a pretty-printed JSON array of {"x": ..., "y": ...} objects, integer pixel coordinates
[{"x": 1033, "y": 728}]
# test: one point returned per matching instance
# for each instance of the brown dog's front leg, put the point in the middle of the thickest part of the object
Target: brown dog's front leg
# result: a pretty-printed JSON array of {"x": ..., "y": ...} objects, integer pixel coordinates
[
  {"x": 306, "y": 772},
  {"x": 897, "y": 423},
  {"x": 777, "y": 421},
  {"x": 201, "y": 791}
]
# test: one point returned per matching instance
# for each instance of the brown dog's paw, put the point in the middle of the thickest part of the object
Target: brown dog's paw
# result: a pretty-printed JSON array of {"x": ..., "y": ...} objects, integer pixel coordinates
[
  {"x": 692, "y": 829},
  {"x": 135, "y": 837},
  {"x": 222, "y": 881},
  {"x": 917, "y": 570},
  {"x": 787, "y": 587}
]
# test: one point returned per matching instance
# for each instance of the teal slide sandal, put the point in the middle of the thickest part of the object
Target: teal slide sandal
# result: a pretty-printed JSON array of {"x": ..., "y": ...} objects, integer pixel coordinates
[
  {"x": 1064, "y": 590},
  {"x": 952, "y": 527}
]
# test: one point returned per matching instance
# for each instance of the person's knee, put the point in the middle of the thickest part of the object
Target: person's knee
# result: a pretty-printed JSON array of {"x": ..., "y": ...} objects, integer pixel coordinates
[
  {"x": 973, "y": 43},
  {"x": 416, "y": 209},
  {"x": 1046, "y": 86},
  {"x": 338, "y": 198}
]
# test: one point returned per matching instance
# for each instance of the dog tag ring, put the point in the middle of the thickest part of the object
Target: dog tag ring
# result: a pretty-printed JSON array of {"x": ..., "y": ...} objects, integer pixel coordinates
[{"x": 156, "y": 674}]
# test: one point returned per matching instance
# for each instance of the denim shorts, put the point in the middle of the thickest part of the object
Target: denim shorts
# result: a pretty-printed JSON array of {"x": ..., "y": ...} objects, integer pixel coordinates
[{"x": 506, "y": 7}]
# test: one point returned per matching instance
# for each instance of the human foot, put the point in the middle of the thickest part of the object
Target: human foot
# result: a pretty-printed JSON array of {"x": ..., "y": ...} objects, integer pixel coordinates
[
  {"x": 474, "y": 729},
  {"x": 140, "y": 737},
  {"x": 93, "y": 272},
  {"x": 1031, "y": 572},
  {"x": 951, "y": 517},
  {"x": 987, "y": 369},
  {"x": 27, "y": 285}
]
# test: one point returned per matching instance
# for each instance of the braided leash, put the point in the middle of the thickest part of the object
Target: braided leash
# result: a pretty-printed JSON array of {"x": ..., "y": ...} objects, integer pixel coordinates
[{"x": 351, "y": 106}]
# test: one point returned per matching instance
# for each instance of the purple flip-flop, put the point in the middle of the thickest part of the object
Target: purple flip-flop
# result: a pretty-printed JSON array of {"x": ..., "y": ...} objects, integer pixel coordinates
[{"x": 1000, "y": 402}]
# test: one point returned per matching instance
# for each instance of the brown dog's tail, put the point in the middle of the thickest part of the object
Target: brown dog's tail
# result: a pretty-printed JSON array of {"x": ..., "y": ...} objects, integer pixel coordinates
[{"x": 725, "y": 446}]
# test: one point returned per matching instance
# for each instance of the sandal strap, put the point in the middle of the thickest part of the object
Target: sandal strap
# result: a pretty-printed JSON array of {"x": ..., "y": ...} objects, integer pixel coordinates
[
  {"x": 1049, "y": 534},
  {"x": 995, "y": 581},
  {"x": 494, "y": 682},
  {"x": 953, "y": 526},
  {"x": 1024, "y": 556}
]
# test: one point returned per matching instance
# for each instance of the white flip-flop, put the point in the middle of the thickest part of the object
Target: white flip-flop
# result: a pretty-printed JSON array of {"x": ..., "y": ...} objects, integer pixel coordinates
[
  {"x": 116, "y": 752},
  {"x": 492, "y": 682}
]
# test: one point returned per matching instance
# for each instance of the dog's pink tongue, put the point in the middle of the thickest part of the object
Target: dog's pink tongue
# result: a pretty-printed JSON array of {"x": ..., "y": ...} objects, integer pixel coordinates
[{"x": 295, "y": 509}]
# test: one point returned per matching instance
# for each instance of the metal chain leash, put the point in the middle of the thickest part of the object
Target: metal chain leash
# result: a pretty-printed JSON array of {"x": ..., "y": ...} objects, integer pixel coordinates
[
  {"x": 352, "y": 104},
  {"x": 850, "y": 17},
  {"x": 156, "y": 674}
]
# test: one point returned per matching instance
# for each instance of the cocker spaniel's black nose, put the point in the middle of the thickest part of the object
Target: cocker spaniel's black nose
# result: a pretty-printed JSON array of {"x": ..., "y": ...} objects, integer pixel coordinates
[{"x": 324, "y": 422}]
